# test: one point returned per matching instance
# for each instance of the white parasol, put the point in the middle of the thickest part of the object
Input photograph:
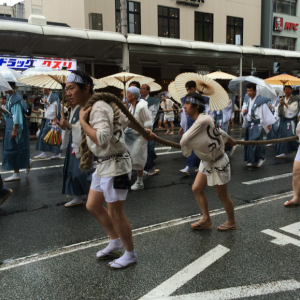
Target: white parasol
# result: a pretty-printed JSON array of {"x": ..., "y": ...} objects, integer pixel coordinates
[
  {"x": 10, "y": 75},
  {"x": 263, "y": 88},
  {"x": 37, "y": 71},
  {"x": 219, "y": 75},
  {"x": 218, "y": 98},
  {"x": 4, "y": 85},
  {"x": 174, "y": 93}
]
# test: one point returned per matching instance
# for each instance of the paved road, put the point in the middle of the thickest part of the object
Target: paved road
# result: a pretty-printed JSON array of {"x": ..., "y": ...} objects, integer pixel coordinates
[{"x": 34, "y": 221}]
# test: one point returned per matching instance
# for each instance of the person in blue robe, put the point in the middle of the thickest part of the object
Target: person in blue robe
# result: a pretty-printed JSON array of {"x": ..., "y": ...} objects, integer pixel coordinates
[
  {"x": 288, "y": 110},
  {"x": 257, "y": 116},
  {"x": 52, "y": 106},
  {"x": 15, "y": 144},
  {"x": 273, "y": 105},
  {"x": 75, "y": 182}
]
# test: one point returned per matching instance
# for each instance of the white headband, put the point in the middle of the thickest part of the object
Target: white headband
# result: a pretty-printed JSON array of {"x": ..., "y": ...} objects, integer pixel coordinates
[
  {"x": 74, "y": 78},
  {"x": 194, "y": 101}
]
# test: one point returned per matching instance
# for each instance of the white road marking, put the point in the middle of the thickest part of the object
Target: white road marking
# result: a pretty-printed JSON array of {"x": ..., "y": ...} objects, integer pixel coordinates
[
  {"x": 40, "y": 160},
  {"x": 34, "y": 169},
  {"x": 163, "y": 148},
  {"x": 293, "y": 228},
  {"x": 268, "y": 179},
  {"x": 14, "y": 263},
  {"x": 241, "y": 291},
  {"x": 281, "y": 239},
  {"x": 188, "y": 273}
]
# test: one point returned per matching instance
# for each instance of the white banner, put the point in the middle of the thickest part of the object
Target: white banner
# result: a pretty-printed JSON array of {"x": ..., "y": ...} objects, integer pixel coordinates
[{"x": 20, "y": 63}]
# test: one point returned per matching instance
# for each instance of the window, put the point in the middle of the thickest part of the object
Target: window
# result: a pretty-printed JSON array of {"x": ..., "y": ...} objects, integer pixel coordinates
[
  {"x": 133, "y": 16},
  {"x": 203, "y": 27},
  {"x": 168, "y": 22},
  {"x": 234, "y": 31},
  {"x": 283, "y": 43},
  {"x": 95, "y": 21},
  {"x": 285, "y": 7},
  {"x": 5, "y": 15}
]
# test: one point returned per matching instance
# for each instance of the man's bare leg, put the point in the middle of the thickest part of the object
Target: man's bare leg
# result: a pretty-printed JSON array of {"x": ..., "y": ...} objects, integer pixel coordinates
[
  {"x": 166, "y": 125},
  {"x": 222, "y": 194},
  {"x": 172, "y": 127},
  {"x": 232, "y": 124},
  {"x": 296, "y": 182},
  {"x": 198, "y": 190}
]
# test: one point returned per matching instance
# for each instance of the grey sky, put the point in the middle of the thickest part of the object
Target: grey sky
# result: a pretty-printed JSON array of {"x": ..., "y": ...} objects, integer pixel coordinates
[{"x": 9, "y": 2}]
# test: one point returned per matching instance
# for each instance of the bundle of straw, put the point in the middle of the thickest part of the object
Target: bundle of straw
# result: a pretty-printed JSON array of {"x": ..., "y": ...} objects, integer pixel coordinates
[{"x": 53, "y": 137}]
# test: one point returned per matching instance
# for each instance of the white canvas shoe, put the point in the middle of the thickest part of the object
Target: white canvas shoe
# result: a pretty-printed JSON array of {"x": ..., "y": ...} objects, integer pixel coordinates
[
  {"x": 43, "y": 155},
  {"x": 281, "y": 155},
  {"x": 13, "y": 177},
  {"x": 137, "y": 186},
  {"x": 260, "y": 163},
  {"x": 56, "y": 156}
]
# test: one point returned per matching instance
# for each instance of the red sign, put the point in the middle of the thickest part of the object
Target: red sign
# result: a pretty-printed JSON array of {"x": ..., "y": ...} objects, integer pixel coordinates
[
  {"x": 291, "y": 26},
  {"x": 278, "y": 24}
]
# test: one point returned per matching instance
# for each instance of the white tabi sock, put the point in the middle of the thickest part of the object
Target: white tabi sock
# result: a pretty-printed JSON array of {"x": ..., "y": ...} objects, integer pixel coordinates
[
  {"x": 129, "y": 257},
  {"x": 15, "y": 175},
  {"x": 140, "y": 180},
  {"x": 113, "y": 245},
  {"x": 152, "y": 171},
  {"x": 43, "y": 154}
]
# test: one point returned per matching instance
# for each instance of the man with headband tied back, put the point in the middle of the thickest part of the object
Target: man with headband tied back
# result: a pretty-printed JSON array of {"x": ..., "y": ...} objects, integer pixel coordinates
[{"x": 207, "y": 141}]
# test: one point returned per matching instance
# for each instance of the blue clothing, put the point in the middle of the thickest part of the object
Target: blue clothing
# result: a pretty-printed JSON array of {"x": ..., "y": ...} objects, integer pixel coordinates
[
  {"x": 45, "y": 128},
  {"x": 16, "y": 152},
  {"x": 75, "y": 182},
  {"x": 253, "y": 133}
]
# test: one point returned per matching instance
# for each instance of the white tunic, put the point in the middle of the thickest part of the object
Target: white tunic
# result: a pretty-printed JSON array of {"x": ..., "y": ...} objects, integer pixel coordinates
[
  {"x": 292, "y": 109},
  {"x": 110, "y": 138},
  {"x": 168, "y": 105},
  {"x": 135, "y": 143},
  {"x": 262, "y": 112}
]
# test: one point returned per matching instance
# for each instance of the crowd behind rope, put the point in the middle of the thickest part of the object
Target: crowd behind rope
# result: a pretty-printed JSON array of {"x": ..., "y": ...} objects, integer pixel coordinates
[{"x": 103, "y": 145}]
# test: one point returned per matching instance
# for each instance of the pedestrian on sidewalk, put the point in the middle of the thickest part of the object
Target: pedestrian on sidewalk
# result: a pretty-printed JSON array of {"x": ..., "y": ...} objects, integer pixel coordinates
[
  {"x": 15, "y": 143},
  {"x": 52, "y": 110},
  {"x": 207, "y": 141}
]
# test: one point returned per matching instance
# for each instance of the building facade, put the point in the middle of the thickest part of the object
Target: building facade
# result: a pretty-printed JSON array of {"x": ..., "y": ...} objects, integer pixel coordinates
[
  {"x": 280, "y": 24},
  {"x": 218, "y": 21},
  {"x": 15, "y": 11}
]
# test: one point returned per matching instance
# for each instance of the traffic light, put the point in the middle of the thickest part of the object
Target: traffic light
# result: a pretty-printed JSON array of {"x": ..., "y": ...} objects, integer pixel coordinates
[{"x": 276, "y": 67}]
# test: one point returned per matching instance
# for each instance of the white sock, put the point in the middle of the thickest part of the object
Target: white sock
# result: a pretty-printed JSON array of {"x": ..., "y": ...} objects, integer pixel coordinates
[
  {"x": 140, "y": 180},
  {"x": 113, "y": 245},
  {"x": 127, "y": 258}
]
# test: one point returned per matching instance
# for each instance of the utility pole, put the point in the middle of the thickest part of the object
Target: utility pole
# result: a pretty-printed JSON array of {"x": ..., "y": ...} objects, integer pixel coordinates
[{"x": 124, "y": 31}]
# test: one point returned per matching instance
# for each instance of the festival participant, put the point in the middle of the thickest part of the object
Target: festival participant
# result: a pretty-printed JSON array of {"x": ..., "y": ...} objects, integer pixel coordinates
[
  {"x": 134, "y": 142},
  {"x": 153, "y": 106},
  {"x": 36, "y": 113},
  {"x": 257, "y": 116},
  {"x": 52, "y": 110},
  {"x": 103, "y": 137},
  {"x": 207, "y": 140},
  {"x": 273, "y": 105},
  {"x": 296, "y": 177},
  {"x": 167, "y": 106},
  {"x": 15, "y": 144},
  {"x": 222, "y": 119},
  {"x": 288, "y": 109},
  {"x": 192, "y": 161},
  {"x": 75, "y": 182}
]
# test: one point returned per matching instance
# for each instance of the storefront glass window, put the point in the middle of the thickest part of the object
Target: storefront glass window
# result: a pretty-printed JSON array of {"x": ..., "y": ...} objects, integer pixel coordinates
[
  {"x": 283, "y": 43},
  {"x": 168, "y": 22},
  {"x": 234, "y": 33},
  {"x": 203, "y": 27},
  {"x": 285, "y": 7},
  {"x": 133, "y": 16}
]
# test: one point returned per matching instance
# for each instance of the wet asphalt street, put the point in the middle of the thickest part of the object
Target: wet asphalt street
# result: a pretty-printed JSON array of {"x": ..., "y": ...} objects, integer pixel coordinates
[{"x": 48, "y": 251}]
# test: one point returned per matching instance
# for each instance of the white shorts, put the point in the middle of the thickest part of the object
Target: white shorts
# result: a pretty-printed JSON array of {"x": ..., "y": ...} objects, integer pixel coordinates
[
  {"x": 232, "y": 115},
  {"x": 105, "y": 185},
  {"x": 169, "y": 119},
  {"x": 297, "y": 158}
]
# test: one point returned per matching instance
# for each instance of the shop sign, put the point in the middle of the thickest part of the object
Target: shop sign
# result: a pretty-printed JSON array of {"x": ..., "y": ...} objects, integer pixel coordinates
[
  {"x": 20, "y": 63},
  {"x": 278, "y": 25}
]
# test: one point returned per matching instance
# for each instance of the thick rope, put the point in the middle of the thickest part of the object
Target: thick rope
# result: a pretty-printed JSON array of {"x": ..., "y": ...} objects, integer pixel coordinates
[{"x": 145, "y": 133}]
